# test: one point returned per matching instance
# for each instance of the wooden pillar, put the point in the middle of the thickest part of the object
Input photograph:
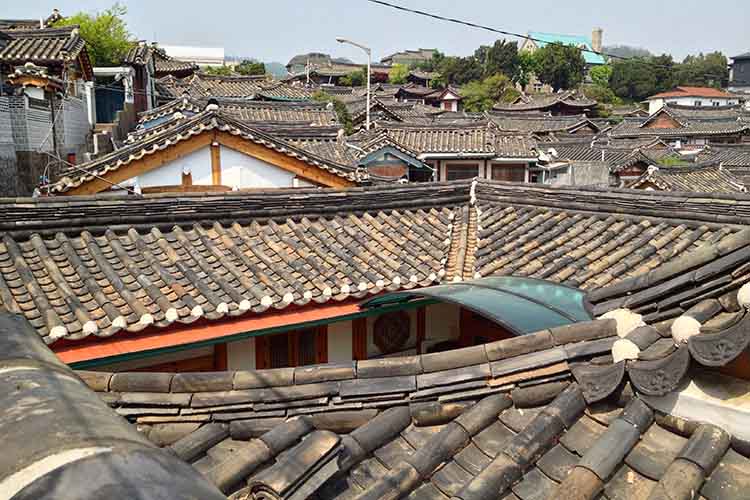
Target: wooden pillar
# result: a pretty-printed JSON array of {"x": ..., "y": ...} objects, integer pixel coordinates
[
  {"x": 215, "y": 164},
  {"x": 221, "y": 361},
  {"x": 359, "y": 338},
  {"x": 262, "y": 353},
  {"x": 187, "y": 179},
  {"x": 321, "y": 343},
  {"x": 421, "y": 327}
]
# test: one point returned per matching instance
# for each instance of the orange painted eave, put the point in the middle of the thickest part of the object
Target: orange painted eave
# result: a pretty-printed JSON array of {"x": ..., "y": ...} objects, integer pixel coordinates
[{"x": 180, "y": 335}]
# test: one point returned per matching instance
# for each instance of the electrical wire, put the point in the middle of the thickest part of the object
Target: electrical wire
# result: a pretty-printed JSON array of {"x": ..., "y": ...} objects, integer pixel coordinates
[{"x": 519, "y": 35}]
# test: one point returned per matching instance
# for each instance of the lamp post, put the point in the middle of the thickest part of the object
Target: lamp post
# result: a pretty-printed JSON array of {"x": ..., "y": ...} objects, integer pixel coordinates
[{"x": 369, "y": 62}]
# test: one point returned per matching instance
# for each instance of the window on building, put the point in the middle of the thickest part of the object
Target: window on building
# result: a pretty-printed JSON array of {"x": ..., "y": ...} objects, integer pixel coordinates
[
  {"x": 717, "y": 103},
  {"x": 419, "y": 174},
  {"x": 698, "y": 104},
  {"x": 295, "y": 348},
  {"x": 509, "y": 173},
  {"x": 457, "y": 171},
  {"x": 536, "y": 177}
]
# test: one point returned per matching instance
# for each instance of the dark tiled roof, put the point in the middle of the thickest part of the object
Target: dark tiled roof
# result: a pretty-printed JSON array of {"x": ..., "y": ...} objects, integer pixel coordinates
[
  {"x": 549, "y": 415},
  {"x": 546, "y": 101},
  {"x": 43, "y": 46},
  {"x": 250, "y": 112},
  {"x": 706, "y": 179},
  {"x": 243, "y": 253},
  {"x": 541, "y": 124},
  {"x": 633, "y": 128},
  {"x": 707, "y": 112},
  {"x": 436, "y": 138},
  {"x": 253, "y": 87},
  {"x": 142, "y": 54},
  {"x": 181, "y": 129}
]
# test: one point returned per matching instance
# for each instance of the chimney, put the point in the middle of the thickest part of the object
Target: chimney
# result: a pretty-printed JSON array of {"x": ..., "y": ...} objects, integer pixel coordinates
[{"x": 597, "y": 35}]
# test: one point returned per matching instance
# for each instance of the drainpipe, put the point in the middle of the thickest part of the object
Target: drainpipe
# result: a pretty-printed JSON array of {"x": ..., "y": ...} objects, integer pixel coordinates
[{"x": 61, "y": 441}]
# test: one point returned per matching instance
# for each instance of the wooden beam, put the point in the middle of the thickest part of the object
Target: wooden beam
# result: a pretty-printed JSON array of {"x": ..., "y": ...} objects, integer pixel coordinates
[
  {"x": 145, "y": 164},
  {"x": 281, "y": 160},
  {"x": 221, "y": 358},
  {"x": 359, "y": 338},
  {"x": 421, "y": 327},
  {"x": 172, "y": 153},
  {"x": 321, "y": 344},
  {"x": 200, "y": 331},
  {"x": 215, "y": 164}
]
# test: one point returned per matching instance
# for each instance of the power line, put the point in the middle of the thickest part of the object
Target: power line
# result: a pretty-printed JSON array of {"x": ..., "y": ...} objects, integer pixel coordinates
[{"x": 518, "y": 35}]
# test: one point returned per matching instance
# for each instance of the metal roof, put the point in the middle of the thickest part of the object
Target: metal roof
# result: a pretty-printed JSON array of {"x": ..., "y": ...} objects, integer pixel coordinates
[{"x": 521, "y": 305}]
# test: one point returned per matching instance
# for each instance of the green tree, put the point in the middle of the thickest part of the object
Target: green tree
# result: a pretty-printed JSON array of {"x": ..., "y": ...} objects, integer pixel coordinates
[
  {"x": 217, "y": 70},
  {"x": 339, "y": 108},
  {"x": 399, "y": 73},
  {"x": 249, "y": 67},
  {"x": 501, "y": 57},
  {"x": 633, "y": 79},
  {"x": 433, "y": 64},
  {"x": 600, "y": 75},
  {"x": 106, "y": 34},
  {"x": 560, "y": 66},
  {"x": 709, "y": 70},
  {"x": 459, "y": 70},
  {"x": 526, "y": 68},
  {"x": 353, "y": 79},
  {"x": 483, "y": 95}
]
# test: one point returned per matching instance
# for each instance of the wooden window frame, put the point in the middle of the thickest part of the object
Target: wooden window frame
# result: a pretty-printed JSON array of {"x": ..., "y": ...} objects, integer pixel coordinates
[{"x": 263, "y": 349}]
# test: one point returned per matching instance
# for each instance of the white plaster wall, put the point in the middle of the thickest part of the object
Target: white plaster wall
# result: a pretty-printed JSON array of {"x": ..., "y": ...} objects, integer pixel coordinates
[
  {"x": 442, "y": 322},
  {"x": 156, "y": 360},
  {"x": 242, "y": 171},
  {"x": 198, "y": 163},
  {"x": 241, "y": 355},
  {"x": 656, "y": 104},
  {"x": 340, "y": 342}
]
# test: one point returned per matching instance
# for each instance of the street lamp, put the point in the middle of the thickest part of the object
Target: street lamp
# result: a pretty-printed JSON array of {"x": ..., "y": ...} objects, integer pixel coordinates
[{"x": 369, "y": 62}]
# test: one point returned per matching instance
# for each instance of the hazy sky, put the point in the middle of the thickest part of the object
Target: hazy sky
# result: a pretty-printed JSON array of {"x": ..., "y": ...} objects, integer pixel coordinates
[{"x": 276, "y": 30}]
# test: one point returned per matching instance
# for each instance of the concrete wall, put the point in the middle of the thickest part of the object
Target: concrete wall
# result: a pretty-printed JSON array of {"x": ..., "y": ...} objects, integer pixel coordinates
[{"x": 8, "y": 164}]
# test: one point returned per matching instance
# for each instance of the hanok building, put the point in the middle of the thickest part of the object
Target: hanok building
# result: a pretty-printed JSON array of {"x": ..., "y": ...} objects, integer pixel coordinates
[
  {"x": 692, "y": 96},
  {"x": 690, "y": 178},
  {"x": 463, "y": 151},
  {"x": 560, "y": 103},
  {"x": 46, "y": 102},
  {"x": 410, "y": 57},
  {"x": 688, "y": 129},
  {"x": 215, "y": 151},
  {"x": 257, "y": 88},
  {"x": 639, "y": 393}
]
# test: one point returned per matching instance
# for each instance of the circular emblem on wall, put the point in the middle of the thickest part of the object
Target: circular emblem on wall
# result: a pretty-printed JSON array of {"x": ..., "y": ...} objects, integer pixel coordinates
[{"x": 391, "y": 332}]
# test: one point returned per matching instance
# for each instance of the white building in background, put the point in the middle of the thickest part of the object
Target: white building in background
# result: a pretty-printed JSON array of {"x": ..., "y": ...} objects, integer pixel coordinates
[
  {"x": 202, "y": 56},
  {"x": 692, "y": 96}
]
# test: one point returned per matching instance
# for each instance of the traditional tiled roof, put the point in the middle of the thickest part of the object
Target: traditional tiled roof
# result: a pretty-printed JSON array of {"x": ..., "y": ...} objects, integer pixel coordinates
[
  {"x": 142, "y": 54},
  {"x": 686, "y": 91},
  {"x": 548, "y": 415},
  {"x": 516, "y": 122},
  {"x": 436, "y": 138},
  {"x": 629, "y": 128},
  {"x": 546, "y": 101},
  {"x": 213, "y": 256},
  {"x": 252, "y": 87},
  {"x": 706, "y": 112},
  {"x": 180, "y": 129},
  {"x": 699, "y": 178},
  {"x": 44, "y": 46},
  {"x": 249, "y": 112}
]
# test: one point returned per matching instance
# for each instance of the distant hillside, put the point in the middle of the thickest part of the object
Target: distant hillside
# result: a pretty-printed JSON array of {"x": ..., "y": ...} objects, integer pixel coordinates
[
  {"x": 277, "y": 69},
  {"x": 626, "y": 51}
]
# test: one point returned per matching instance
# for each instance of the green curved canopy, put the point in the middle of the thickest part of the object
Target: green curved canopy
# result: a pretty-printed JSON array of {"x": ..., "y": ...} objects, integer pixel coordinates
[{"x": 521, "y": 305}]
